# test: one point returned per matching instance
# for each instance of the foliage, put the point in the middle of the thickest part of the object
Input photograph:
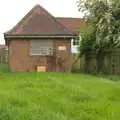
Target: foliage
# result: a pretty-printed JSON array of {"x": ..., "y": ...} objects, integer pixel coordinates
[
  {"x": 104, "y": 17},
  {"x": 87, "y": 43}
]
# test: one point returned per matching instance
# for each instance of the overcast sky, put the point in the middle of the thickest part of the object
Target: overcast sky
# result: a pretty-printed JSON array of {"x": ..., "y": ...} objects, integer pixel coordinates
[{"x": 12, "y": 11}]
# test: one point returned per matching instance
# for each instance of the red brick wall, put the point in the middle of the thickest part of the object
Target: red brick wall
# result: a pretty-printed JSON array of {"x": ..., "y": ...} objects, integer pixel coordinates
[{"x": 20, "y": 60}]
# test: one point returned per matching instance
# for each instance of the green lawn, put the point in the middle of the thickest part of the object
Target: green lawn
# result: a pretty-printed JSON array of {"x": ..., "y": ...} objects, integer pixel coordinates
[{"x": 57, "y": 96}]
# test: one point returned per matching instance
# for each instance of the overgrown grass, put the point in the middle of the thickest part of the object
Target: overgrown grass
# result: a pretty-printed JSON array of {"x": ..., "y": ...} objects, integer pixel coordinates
[
  {"x": 57, "y": 96},
  {"x": 3, "y": 68}
]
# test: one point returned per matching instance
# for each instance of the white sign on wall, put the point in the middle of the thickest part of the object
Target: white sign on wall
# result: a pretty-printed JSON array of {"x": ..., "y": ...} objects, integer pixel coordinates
[{"x": 62, "y": 48}]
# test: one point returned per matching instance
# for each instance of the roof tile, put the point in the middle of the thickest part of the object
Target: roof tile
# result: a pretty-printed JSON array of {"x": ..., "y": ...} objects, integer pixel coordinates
[
  {"x": 39, "y": 22},
  {"x": 74, "y": 24}
]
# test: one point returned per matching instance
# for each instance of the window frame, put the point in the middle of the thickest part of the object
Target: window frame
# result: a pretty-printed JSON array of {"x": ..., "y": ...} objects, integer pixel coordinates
[
  {"x": 76, "y": 42},
  {"x": 43, "y": 50}
]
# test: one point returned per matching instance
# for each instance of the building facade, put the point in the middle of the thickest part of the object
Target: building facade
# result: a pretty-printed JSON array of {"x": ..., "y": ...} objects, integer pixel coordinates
[{"x": 39, "y": 42}]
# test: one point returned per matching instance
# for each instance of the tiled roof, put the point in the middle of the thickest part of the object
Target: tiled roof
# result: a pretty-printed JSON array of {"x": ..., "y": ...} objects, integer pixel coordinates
[
  {"x": 39, "y": 22},
  {"x": 74, "y": 24}
]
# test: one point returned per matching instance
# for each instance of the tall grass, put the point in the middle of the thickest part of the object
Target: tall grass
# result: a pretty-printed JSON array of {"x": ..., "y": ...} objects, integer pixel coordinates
[
  {"x": 3, "y": 68},
  {"x": 57, "y": 96}
]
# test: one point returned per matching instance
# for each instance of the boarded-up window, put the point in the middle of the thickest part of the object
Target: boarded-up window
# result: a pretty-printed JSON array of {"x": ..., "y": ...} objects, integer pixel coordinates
[{"x": 41, "y": 47}]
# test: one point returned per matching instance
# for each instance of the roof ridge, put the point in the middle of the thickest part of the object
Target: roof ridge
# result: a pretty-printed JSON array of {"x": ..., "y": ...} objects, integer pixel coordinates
[
  {"x": 34, "y": 10},
  {"x": 71, "y": 17},
  {"x": 54, "y": 18}
]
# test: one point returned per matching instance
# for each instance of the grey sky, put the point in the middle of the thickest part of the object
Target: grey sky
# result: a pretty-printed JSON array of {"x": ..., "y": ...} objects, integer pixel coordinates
[{"x": 12, "y": 11}]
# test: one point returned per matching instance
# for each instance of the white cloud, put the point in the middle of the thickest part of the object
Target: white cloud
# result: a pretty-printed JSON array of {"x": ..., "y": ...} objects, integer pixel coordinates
[{"x": 12, "y": 11}]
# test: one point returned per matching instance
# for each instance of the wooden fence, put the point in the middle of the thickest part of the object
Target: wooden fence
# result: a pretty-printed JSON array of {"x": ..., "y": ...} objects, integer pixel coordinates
[
  {"x": 75, "y": 62},
  {"x": 3, "y": 56},
  {"x": 109, "y": 64}
]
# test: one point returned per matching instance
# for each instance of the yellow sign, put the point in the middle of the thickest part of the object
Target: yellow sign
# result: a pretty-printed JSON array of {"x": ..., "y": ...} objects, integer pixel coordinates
[{"x": 41, "y": 69}]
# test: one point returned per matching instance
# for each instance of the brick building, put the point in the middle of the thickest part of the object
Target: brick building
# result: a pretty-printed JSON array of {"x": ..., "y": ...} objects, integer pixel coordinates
[{"x": 39, "y": 42}]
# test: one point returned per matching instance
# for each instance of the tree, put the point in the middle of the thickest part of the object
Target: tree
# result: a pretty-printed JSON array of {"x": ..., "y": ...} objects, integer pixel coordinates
[
  {"x": 104, "y": 17},
  {"x": 87, "y": 43}
]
